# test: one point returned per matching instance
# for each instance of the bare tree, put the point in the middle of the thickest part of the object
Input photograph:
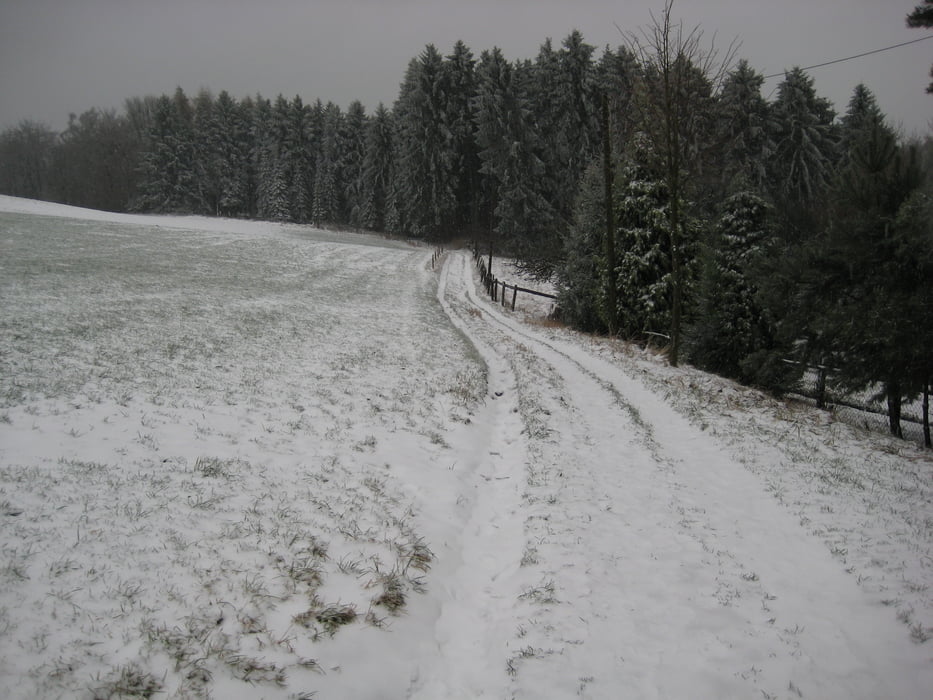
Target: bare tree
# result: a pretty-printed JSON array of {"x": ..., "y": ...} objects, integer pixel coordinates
[{"x": 681, "y": 73}]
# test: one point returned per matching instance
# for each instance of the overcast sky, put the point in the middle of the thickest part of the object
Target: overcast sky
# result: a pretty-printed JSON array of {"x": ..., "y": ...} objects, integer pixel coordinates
[{"x": 61, "y": 56}]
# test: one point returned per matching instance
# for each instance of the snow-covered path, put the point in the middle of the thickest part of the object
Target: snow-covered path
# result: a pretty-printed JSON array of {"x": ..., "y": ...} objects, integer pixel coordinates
[{"x": 654, "y": 564}]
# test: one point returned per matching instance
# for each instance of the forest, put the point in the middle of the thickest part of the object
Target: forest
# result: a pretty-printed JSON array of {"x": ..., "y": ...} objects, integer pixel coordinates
[{"x": 655, "y": 184}]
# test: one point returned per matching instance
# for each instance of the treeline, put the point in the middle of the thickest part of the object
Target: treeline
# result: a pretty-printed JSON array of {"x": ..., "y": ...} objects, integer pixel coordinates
[{"x": 658, "y": 186}]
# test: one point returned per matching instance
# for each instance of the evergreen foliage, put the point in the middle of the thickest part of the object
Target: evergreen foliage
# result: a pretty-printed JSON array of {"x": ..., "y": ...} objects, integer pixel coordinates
[
  {"x": 510, "y": 156},
  {"x": 582, "y": 273},
  {"x": 644, "y": 276},
  {"x": 730, "y": 326},
  {"x": 746, "y": 130},
  {"x": 425, "y": 149},
  {"x": 805, "y": 143}
]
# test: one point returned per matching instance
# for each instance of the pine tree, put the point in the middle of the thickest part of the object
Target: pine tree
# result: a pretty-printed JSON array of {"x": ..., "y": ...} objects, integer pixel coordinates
[
  {"x": 562, "y": 92},
  {"x": 581, "y": 275},
  {"x": 299, "y": 149},
  {"x": 354, "y": 155},
  {"x": 863, "y": 289},
  {"x": 328, "y": 173},
  {"x": 745, "y": 128},
  {"x": 805, "y": 142},
  {"x": 425, "y": 149},
  {"x": 460, "y": 68},
  {"x": 511, "y": 162},
  {"x": 644, "y": 278},
  {"x": 377, "y": 170},
  {"x": 168, "y": 178},
  {"x": 231, "y": 153},
  {"x": 730, "y": 325},
  {"x": 862, "y": 115}
]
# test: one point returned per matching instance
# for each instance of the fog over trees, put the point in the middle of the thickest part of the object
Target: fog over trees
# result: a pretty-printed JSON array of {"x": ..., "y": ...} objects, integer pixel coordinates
[{"x": 749, "y": 230}]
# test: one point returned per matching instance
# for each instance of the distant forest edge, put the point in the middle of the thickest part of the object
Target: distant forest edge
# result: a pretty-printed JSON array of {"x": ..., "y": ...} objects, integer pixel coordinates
[{"x": 654, "y": 183}]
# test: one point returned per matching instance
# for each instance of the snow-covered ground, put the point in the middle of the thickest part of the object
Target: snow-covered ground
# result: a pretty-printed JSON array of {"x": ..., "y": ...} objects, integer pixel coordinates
[{"x": 247, "y": 460}]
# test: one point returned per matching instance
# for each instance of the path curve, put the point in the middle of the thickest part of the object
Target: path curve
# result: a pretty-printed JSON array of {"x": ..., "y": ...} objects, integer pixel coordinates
[{"x": 654, "y": 565}]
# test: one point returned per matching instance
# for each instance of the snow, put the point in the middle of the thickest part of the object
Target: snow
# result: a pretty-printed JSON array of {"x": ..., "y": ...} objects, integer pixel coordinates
[{"x": 216, "y": 436}]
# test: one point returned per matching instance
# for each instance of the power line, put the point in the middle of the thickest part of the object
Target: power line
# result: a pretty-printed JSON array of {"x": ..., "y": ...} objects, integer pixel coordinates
[{"x": 849, "y": 58}]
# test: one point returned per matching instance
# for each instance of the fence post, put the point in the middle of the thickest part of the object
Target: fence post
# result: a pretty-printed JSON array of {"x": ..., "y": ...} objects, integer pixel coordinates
[
  {"x": 514, "y": 294},
  {"x": 821, "y": 386}
]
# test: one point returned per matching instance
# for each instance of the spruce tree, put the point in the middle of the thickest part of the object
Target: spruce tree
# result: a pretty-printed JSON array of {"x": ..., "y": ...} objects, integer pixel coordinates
[
  {"x": 805, "y": 142},
  {"x": 644, "y": 276},
  {"x": 377, "y": 170},
  {"x": 425, "y": 150},
  {"x": 354, "y": 155},
  {"x": 168, "y": 179},
  {"x": 730, "y": 326},
  {"x": 863, "y": 289},
  {"x": 511, "y": 162},
  {"x": 581, "y": 275},
  {"x": 460, "y": 80},
  {"x": 745, "y": 129}
]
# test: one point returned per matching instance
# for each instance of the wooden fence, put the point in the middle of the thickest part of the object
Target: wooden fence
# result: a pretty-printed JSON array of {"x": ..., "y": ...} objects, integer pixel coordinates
[{"x": 498, "y": 290}]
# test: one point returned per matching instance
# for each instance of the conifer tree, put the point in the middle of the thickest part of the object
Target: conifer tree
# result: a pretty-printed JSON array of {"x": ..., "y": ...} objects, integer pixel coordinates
[
  {"x": 644, "y": 279},
  {"x": 377, "y": 170},
  {"x": 424, "y": 173},
  {"x": 805, "y": 142},
  {"x": 231, "y": 148},
  {"x": 860, "y": 290},
  {"x": 745, "y": 129},
  {"x": 168, "y": 182},
  {"x": 460, "y": 88},
  {"x": 510, "y": 156},
  {"x": 579, "y": 276},
  {"x": 298, "y": 150},
  {"x": 328, "y": 173},
  {"x": 730, "y": 326},
  {"x": 354, "y": 155}
]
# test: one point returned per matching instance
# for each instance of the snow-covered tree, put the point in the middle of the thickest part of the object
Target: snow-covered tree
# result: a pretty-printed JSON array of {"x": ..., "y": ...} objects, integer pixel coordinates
[
  {"x": 353, "y": 157},
  {"x": 644, "y": 279},
  {"x": 730, "y": 325},
  {"x": 328, "y": 173},
  {"x": 511, "y": 162},
  {"x": 425, "y": 177},
  {"x": 168, "y": 181},
  {"x": 805, "y": 141},
  {"x": 460, "y": 68},
  {"x": 581, "y": 275},
  {"x": 745, "y": 128},
  {"x": 377, "y": 170}
]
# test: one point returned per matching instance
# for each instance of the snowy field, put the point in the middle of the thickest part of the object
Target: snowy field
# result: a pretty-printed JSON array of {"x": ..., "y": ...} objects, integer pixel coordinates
[{"x": 248, "y": 460}]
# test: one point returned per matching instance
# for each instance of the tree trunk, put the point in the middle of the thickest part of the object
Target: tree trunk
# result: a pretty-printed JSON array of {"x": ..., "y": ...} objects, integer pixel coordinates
[
  {"x": 894, "y": 409},
  {"x": 926, "y": 415},
  {"x": 610, "y": 225}
]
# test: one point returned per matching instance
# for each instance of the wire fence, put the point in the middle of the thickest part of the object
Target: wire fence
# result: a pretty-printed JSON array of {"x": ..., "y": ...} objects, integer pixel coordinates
[
  {"x": 499, "y": 290},
  {"x": 867, "y": 408}
]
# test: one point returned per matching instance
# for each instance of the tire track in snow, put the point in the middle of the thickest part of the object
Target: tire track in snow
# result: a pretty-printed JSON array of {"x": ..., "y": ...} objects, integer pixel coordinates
[
  {"x": 683, "y": 577},
  {"x": 476, "y": 570}
]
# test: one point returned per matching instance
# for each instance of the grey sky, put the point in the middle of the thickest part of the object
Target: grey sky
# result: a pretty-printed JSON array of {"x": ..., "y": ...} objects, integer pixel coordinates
[{"x": 61, "y": 56}]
